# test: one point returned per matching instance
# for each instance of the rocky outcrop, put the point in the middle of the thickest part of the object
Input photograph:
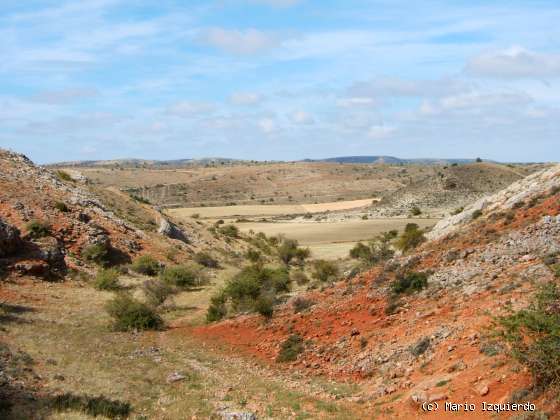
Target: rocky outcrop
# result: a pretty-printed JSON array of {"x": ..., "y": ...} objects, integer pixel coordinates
[
  {"x": 171, "y": 230},
  {"x": 10, "y": 239},
  {"x": 538, "y": 183}
]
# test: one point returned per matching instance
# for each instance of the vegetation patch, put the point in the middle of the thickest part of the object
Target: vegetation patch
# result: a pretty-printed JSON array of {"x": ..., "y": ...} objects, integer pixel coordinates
[
  {"x": 130, "y": 314},
  {"x": 61, "y": 206},
  {"x": 147, "y": 265},
  {"x": 107, "y": 279},
  {"x": 230, "y": 231},
  {"x": 376, "y": 251},
  {"x": 157, "y": 291},
  {"x": 38, "y": 229},
  {"x": 409, "y": 283},
  {"x": 97, "y": 253},
  {"x": 410, "y": 238},
  {"x": 183, "y": 276},
  {"x": 290, "y": 349},
  {"x": 93, "y": 406},
  {"x": 324, "y": 271},
  {"x": 532, "y": 336},
  {"x": 205, "y": 259}
]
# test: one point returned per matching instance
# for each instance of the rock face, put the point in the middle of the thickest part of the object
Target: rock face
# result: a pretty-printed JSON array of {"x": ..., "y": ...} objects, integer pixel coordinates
[
  {"x": 531, "y": 186},
  {"x": 169, "y": 229},
  {"x": 9, "y": 239}
]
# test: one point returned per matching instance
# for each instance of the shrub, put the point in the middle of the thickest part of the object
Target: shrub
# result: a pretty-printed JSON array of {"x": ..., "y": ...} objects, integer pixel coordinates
[
  {"x": 301, "y": 304},
  {"x": 290, "y": 349},
  {"x": 62, "y": 207},
  {"x": 265, "y": 306},
  {"x": 378, "y": 249},
  {"x": 146, "y": 264},
  {"x": 457, "y": 211},
  {"x": 183, "y": 276},
  {"x": 289, "y": 250},
  {"x": 476, "y": 214},
  {"x": 231, "y": 231},
  {"x": 299, "y": 277},
  {"x": 532, "y": 336},
  {"x": 156, "y": 291},
  {"x": 253, "y": 255},
  {"x": 129, "y": 314},
  {"x": 38, "y": 229},
  {"x": 415, "y": 211},
  {"x": 325, "y": 270},
  {"x": 107, "y": 279},
  {"x": 217, "y": 309},
  {"x": 97, "y": 253},
  {"x": 206, "y": 260},
  {"x": 93, "y": 406},
  {"x": 410, "y": 238},
  {"x": 409, "y": 283},
  {"x": 420, "y": 347},
  {"x": 64, "y": 176}
]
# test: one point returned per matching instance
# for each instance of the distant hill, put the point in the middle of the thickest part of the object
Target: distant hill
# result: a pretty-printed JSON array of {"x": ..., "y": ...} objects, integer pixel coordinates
[{"x": 137, "y": 163}]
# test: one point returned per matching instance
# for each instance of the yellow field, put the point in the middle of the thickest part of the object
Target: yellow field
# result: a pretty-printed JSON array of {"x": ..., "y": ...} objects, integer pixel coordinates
[
  {"x": 267, "y": 210},
  {"x": 332, "y": 239}
]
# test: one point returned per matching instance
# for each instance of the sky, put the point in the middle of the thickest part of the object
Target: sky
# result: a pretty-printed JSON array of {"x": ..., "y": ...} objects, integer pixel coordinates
[{"x": 280, "y": 79}]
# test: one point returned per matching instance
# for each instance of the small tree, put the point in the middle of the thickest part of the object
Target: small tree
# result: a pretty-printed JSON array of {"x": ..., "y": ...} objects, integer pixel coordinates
[{"x": 411, "y": 238}]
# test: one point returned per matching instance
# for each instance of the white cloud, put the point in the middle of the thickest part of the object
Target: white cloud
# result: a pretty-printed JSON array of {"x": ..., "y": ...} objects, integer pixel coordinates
[
  {"x": 356, "y": 101},
  {"x": 396, "y": 87},
  {"x": 245, "y": 98},
  {"x": 303, "y": 118},
  {"x": 267, "y": 125},
  {"x": 514, "y": 63},
  {"x": 187, "y": 108},
  {"x": 380, "y": 132},
  {"x": 64, "y": 96},
  {"x": 476, "y": 102},
  {"x": 240, "y": 42}
]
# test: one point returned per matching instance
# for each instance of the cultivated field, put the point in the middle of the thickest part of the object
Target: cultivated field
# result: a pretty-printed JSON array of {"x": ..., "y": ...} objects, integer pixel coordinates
[
  {"x": 332, "y": 240},
  {"x": 267, "y": 210}
]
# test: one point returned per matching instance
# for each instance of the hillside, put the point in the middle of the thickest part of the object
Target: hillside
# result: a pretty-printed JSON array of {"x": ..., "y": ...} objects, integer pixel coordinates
[{"x": 434, "y": 345}]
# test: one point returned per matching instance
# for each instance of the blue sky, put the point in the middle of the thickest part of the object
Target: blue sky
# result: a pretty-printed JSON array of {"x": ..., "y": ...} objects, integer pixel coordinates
[{"x": 280, "y": 79}]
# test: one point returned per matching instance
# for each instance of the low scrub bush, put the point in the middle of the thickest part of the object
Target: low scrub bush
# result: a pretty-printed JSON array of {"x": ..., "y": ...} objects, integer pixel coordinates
[
  {"x": 183, "y": 276},
  {"x": 97, "y": 253},
  {"x": 376, "y": 251},
  {"x": 410, "y": 238},
  {"x": 325, "y": 270},
  {"x": 92, "y": 406},
  {"x": 217, "y": 309},
  {"x": 289, "y": 250},
  {"x": 476, "y": 214},
  {"x": 290, "y": 349},
  {"x": 457, "y": 211},
  {"x": 299, "y": 277},
  {"x": 38, "y": 229},
  {"x": 253, "y": 255},
  {"x": 265, "y": 306},
  {"x": 205, "y": 259},
  {"x": 130, "y": 314},
  {"x": 230, "y": 231},
  {"x": 64, "y": 176},
  {"x": 147, "y": 265},
  {"x": 415, "y": 211},
  {"x": 532, "y": 336},
  {"x": 62, "y": 207},
  {"x": 409, "y": 283},
  {"x": 157, "y": 291},
  {"x": 107, "y": 279}
]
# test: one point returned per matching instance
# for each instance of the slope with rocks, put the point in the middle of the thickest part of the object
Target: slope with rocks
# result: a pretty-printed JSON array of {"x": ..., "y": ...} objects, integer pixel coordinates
[{"x": 435, "y": 345}]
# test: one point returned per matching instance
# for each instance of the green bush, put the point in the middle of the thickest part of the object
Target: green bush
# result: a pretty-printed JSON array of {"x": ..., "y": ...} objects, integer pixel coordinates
[
  {"x": 217, "y": 309},
  {"x": 409, "y": 283},
  {"x": 183, "y": 276},
  {"x": 299, "y": 277},
  {"x": 325, "y": 270},
  {"x": 231, "y": 231},
  {"x": 38, "y": 229},
  {"x": 289, "y": 250},
  {"x": 206, "y": 260},
  {"x": 410, "y": 238},
  {"x": 476, "y": 214},
  {"x": 146, "y": 264},
  {"x": 107, "y": 279},
  {"x": 265, "y": 306},
  {"x": 64, "y": 176},
  {"x": 290, "y": 349},
  {"x": 97, "y": 253},
  {"x": 532, "y": 336},
  {"x": 415, "y": 211},
  {"x": 62, "y": 207},
  {"x": 457, "y": 211},
  {"x": 92, "y": 406},
  {"x": 253, "y": 255},
  {"x": 157, "y": 291},
  {"x": 377, "y": 250},
  {"x": 129, "y": 314}
]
